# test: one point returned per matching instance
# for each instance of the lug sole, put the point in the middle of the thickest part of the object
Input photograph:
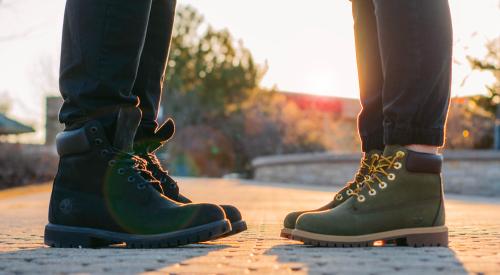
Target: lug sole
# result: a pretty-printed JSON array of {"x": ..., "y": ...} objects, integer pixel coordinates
[
  {"x": 415, "y": 237},
  {"x": 83, "y": 237},
  {"x": 237, "y": 227},
  {"x": 286, "y": 233}
]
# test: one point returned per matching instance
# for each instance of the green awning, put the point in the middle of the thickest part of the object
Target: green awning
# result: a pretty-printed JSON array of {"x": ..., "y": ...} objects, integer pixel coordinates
[{"x": 12, "y": 127}]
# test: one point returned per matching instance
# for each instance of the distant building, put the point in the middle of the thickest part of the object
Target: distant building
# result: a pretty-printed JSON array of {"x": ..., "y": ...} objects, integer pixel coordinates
[
  {"x": 11, "y": 130},
  {"x": 11, "y": 127},
  {"x": 341, "y": 107}
]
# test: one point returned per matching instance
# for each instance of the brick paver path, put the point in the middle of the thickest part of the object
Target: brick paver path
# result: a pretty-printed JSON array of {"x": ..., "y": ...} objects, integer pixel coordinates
[{"x": 474, "y": 231}]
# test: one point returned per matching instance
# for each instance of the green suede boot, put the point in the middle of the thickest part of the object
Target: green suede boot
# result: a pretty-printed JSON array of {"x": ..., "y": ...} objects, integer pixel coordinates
[
  {"x": 401, "y": 203},
  {"x": 368, "y": 161}
]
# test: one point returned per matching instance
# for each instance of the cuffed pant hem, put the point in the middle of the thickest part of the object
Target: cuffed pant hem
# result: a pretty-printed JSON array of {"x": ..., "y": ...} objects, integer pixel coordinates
[
  {"x": 406, "y": 136},
  {"x": 373, "y": 141}
]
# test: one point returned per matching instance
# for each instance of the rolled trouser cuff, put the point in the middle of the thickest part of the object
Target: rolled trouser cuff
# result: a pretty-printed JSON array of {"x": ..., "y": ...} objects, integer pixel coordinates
[
  {"x": 411, "y": 135},
  {"x": 372, "y": 141}
]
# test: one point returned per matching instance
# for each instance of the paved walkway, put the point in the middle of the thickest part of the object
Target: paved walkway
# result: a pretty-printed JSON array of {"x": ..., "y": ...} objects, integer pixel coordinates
[{"x": 474, "y": 224}]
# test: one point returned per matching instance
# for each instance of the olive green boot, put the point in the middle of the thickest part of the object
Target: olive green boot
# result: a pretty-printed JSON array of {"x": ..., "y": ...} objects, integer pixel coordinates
[
  {"x": 368, "y": 161},
  {"x": 401, "y": 203}
]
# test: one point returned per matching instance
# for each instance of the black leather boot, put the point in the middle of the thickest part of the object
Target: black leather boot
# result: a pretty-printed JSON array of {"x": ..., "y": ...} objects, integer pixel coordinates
[
  {"x": 101, "y": 197},
  {"x": 145, "y": 147}
]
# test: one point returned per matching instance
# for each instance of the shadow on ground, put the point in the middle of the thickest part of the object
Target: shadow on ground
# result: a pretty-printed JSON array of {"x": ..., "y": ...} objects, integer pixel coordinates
[
  {"x": 107, "y": 260},
  {"x": 369, "y": 260}
]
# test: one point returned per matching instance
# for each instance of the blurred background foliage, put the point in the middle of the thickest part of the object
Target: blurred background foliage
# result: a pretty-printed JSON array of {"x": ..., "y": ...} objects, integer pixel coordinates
[
  {"x": 224, "y": 119},
  {"x": 471, "y": 120},
  {"x": 490, "y": 63}
]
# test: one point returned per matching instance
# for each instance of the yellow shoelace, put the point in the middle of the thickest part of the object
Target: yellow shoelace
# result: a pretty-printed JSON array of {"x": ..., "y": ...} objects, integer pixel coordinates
[
  {"x": 378, "y": 172},
  {"x": 366, "y": 167}
]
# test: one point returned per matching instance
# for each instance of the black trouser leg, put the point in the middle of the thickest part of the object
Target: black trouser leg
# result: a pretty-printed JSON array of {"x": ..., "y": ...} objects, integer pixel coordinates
[
  {"x": 371, "y": 81},
  {"x": 415, "y": 39},
  {"x": 101, "y": 48},
  {"x": 150, "y": 77}
]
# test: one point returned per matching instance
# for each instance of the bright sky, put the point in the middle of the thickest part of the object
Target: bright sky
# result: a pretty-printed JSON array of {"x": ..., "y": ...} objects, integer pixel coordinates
[{"x": 309, "y": 48}]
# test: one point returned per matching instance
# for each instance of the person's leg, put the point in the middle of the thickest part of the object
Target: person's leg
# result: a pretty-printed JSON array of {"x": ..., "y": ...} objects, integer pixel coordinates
[
  {"x": 101, "y": 47},
  {"x": 370, "y": 119},
  {"x": 416, "y": 49},
  {"x": 149, "y": 83},
  {"x": 402, "y": 199},
  {"x": 148, "y": 87},
  {"x": 102, "y": 193},
  {"x": 371, "y": 80}
]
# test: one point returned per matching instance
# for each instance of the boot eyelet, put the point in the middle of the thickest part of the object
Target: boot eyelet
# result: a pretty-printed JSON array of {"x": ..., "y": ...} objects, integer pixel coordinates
[
  {"x": 349, "y": 192},
  {"x": 361, "y": 198},
  {"x": 93, "y": 129},
  {"x": 97, "y": 141},
  {"x": 130, "y": 179},
  {"x": 121, "y": 171},
  {"x": 104, "y": 152},
  {"x": 141, "y": 186},
  {"x": 372, "y": 192},
  {"x": 398, "y": 165},
  {"x": 367, "y": 177},
  {"x": 400, "y": 154},
  {"x": 112, "y": 162},
  {"x": 382, "y": 185},
  {"x": 339, "y": 197},
  {"x": 391, "y": 176}
]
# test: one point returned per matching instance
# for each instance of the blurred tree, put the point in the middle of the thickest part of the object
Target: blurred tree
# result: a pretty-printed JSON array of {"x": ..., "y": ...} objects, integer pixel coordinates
[
  {"x": 224, "y": 119},
  {"x": 490, "y": 63},
  {"x": 491, "y": 101},
  {"x": 209, "y": 75}
]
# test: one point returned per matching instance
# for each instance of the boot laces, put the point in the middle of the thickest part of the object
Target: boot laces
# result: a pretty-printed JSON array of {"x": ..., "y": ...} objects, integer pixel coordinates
[
  {"x": 379, "y": 174},
  {"x": 136, "y": 164},
  {"x": 159, "y": 172},
  {"x": 365, "y": 168}
]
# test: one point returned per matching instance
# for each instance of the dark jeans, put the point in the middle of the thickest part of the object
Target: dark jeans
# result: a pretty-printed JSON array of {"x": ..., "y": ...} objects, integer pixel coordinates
[
  {"x": 114, "y": 54},
  {"x": 404, "y": 55}
]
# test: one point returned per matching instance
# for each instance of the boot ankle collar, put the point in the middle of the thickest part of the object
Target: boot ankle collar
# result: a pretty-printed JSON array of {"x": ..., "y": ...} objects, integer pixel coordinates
[
  {"x": 80, "y": 140},
  {"x": 423, "y": 163}
]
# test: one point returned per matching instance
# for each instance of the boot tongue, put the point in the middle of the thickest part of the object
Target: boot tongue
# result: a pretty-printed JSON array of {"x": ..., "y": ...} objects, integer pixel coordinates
[
  {"x": 149, "y": 143},
  {"x": 126, "y": 127},
  {"x": 392, "y": 149},
  {"x": 166, "y": 131}
]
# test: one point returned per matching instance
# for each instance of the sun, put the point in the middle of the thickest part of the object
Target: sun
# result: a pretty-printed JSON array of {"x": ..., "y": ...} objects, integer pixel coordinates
[{"x": 328, "y": 83}]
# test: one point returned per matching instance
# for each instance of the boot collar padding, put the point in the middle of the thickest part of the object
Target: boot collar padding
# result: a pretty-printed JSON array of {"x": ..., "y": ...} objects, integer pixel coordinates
[
  {"x": 423, "y": 163},
  {"x": 72, "y": 142}
]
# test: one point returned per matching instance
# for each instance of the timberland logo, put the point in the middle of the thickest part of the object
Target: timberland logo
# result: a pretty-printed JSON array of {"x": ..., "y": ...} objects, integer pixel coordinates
[{"x": 66, "y": 206}]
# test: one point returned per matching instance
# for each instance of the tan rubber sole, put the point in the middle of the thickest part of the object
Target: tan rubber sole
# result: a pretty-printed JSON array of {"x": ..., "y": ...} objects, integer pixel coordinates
[
  {"x": 286, "y": 233},
  {"x": 416, "y": 237}
]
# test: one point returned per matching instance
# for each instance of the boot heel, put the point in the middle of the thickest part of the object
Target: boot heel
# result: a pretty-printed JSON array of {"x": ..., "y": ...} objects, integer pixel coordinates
[
  {"x": 68, "y": 237},
  {"x": 428, "y": 239}
]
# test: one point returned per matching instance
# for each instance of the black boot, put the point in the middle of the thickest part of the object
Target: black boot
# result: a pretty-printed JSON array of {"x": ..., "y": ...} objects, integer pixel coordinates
[
  {"x": 145, "y": 146},
  {"x": 100, "y": 197}
]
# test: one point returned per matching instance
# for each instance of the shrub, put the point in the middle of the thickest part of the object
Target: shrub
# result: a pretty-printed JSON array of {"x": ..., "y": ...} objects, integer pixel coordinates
[{"x": 23, "y": 164}]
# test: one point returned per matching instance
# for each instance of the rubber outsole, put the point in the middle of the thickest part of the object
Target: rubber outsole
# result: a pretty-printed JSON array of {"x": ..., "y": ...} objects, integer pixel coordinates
[
  {"x": 237, "y": 227},
  {"x": 286, "y": 233},
  {"x": 81, "y": 237},
  {"x": 415, "y": 237}
]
